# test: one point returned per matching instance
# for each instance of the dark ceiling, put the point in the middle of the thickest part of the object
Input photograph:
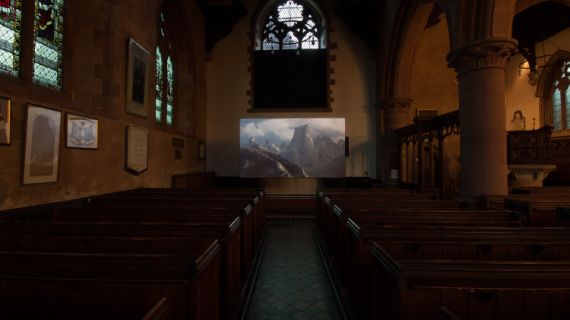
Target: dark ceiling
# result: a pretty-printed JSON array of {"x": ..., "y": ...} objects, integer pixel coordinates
[
  {"x": 530, "y": 26},
  {"x": 537, "y": 24},
  {"x": 359, "y": 15}
]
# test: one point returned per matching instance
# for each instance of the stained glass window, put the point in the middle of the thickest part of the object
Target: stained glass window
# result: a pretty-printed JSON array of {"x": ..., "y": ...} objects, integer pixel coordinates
[
  {"x": 556, "y": 109},
  {"x": 561, "y": 98},
  {"x": 10, "y": 26},
  {"x": 170, "y": 91},
  {"x": 291, "y": 26},
  {"x": 164, "y": 76},
  {"x": 158, "y": 87},
  {"x": 48, "y": 43}
]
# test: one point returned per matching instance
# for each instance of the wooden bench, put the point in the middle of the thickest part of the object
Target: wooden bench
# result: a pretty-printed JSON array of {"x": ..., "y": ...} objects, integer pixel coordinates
[
  {"x": 563, "y": 216},
  {"x": 160, "y": 311},
  {"x": 257, "y": 198},
  {"x": 559, "y": 190},
  {"x": 62, "y": 285},
  {"x": 417, "y": 289},
  {"x": 410, "y": 216},
  {"x": 537, "y": 212},
  {"x": 149, "y": 238},
  {"x": 251, "y": 216}
]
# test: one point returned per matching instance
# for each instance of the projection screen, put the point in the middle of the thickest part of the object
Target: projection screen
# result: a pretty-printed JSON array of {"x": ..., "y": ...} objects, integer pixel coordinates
[{"x": 292, "y": 148}]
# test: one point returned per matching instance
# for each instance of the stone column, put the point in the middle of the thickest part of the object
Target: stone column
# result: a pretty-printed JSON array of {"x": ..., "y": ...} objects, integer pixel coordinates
[
  {"x": 481, "y": 74},
  {"x": 396, "y": 115}
]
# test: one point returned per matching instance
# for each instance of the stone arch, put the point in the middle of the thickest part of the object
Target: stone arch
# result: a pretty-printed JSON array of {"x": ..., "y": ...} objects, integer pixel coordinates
[
  {"x": 544, "y": 84},
  {"x": 477, "y": 20},
  {"x": 263, "y": 9},
  {"x": 406, "y": 31},
  {"x": 525, "y": 4},
  {"x": 412, "y": 31}
]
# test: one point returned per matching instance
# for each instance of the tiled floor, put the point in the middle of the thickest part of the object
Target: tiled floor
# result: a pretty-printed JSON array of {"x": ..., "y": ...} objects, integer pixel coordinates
[{"x": 292, "y": 283}]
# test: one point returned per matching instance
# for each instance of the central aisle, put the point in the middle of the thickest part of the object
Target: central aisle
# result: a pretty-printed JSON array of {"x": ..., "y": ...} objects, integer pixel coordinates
[{"x": 292, "y": 282}]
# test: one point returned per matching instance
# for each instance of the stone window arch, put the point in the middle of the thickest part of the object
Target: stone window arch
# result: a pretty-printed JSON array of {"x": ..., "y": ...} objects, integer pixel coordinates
[
  {"x": 47, "y": 20},
  {"x": 554, "y": 91},
  {"x": 290, "y": 68},
  {"x": 165, "y": 76}
]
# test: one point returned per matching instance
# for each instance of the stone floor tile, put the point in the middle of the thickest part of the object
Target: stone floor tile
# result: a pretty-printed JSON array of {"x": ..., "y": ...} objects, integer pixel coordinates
[{"x": 292, "y": 283}]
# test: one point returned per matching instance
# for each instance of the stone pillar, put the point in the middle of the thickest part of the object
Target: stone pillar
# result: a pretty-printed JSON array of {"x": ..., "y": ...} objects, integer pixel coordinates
[
  {"x": 396, "y": 115},
  {"x": 481, "y": 74}
]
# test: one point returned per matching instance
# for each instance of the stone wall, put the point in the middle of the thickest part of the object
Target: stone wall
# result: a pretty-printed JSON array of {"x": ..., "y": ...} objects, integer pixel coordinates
[{"x": 95, "y": 73}]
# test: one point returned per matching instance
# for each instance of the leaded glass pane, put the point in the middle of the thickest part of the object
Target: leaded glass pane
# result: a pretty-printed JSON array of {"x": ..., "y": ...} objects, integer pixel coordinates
[
  {"x": 48, "y": 43},
  {"x": 567, "y": 102},
  {"x": 310, "y": 41},
  {"x": 170, "y": 92},
  {"x": 271, "y": 42},
  {"x": 158, "y": 87},
  {"x": 556, "y": 109},
  {"x": 295, "y": 28},
  {"x": 169, "y": 113},
  {"x": 566, "y": 70},
  {"x": 290, "y": 13},
  {"x": 290, "y": 42},
  {"x": 10, "y": 27}
]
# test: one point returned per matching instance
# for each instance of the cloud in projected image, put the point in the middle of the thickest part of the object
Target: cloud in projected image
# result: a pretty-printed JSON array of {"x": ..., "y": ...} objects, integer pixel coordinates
[
  {"x": 296, "y": 147},
  {"x": 284, "y": 129}
]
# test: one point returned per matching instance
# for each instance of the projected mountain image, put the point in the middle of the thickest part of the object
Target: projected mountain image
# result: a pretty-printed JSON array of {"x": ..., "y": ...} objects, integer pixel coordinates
[{"x": 290, "y": 148}]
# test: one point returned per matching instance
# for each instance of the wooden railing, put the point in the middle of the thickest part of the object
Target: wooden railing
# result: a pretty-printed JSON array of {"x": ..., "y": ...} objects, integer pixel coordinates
[{"x": 529, "y": 147}]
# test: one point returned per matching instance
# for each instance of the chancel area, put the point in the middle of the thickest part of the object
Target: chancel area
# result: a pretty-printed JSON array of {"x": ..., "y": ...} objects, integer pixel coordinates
[{"x": 285, "y": 159}]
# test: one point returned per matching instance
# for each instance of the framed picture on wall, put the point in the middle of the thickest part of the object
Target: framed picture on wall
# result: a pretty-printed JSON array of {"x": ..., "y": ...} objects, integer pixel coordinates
[
  {"x": 5, "y": 109},
  {"x": 41, "y": 155},
  {"x": 136, "y": 153},
  {"x": 138, "y": 76},
  {"x": 82, "y": 132}
]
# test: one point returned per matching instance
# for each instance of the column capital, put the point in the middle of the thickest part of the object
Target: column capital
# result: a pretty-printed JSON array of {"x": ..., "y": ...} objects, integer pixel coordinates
[
  {"x": 489, "y": 53},
  {"x": 395, "y": 103}
]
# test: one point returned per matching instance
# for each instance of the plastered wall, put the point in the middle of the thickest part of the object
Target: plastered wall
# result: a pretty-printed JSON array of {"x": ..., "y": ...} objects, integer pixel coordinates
[
  {"x": 521, "y": 95},
  {"x": 433, "y": 85},
  {"x": 228, "y": 101},
  {"x": 95, "y": 57}
]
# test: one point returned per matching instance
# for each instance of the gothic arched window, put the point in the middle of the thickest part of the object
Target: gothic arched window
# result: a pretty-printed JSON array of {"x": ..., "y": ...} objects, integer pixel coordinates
[
  {"x": 290, "y": 57},
  {"x": 290, "y": 26},
  {"x": 10, "y": 26},
  {"x": 48, "y": 43},
  {"x": 164, "y": 103},
  {"x": 561, "y": 97}
]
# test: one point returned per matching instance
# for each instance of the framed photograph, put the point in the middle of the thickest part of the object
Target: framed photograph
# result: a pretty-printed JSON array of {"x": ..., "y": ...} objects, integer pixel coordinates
[
  {"x": 41, "y": 156},
  {"x": 5, "y": 109},
  {"x": 136, "y": 153},
  {"x": 138, "y": 76},
  {"x": 201, "y": 150},
  {"x": 82, "y": 132}
]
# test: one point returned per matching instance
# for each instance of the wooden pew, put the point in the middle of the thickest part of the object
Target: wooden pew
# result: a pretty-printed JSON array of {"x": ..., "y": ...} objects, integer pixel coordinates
[
  {"x": 446, "y": 314},
  {"x": 257, "y": 198},
  {"x": 449, "y": 243},
  {"x": 558, "y": 190},
  {"x": 417, "y": 289},
  {"x": 251, "y": 224},
  {"x": 351, "y": 262},
  {"x": 430, "y": 216},
  {"x": 60, "y": 285},
  {"x": 160, "y": 311},
  {"x": 167, "y": 215},
  {"x": 249, "y": 230},
  {"x": 330, "y": 222},
  {"x": 563, "y": 216},
  {"x": 150, "y": 238},
  {"x": 537, "y": 212}
]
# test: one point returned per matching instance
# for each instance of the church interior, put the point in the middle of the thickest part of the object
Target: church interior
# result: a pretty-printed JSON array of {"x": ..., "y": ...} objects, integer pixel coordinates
[{"x": 285, "y": 159}]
